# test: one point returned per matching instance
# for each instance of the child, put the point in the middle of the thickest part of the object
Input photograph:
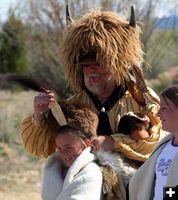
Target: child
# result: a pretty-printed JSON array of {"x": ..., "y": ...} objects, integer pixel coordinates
[
  {"x": 135, "y": 125},
  {"x": 71, "y": 172}
]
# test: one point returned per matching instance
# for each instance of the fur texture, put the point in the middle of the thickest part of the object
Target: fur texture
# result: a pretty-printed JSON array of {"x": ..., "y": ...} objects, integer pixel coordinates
[
  {"x": 116, "y": 175},
  {"x": 115, "y": 42},
  {"x": 77, "y": 116}
]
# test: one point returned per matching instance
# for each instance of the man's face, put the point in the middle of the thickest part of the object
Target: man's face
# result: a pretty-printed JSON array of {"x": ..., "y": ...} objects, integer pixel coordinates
[{"x": 97, "y": 79}]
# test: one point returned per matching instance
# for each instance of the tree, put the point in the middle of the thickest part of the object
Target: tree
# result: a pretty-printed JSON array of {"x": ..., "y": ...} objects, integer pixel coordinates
[{"x": 12, "y": 46}]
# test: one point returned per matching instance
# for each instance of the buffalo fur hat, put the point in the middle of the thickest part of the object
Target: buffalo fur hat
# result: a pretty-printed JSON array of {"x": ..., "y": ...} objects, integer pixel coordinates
[
  {"x": 104, "y": 36},
  {"x": 77, "y": 116}
]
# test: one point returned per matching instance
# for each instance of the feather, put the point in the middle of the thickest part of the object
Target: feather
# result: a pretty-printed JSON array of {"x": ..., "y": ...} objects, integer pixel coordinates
[{"x": 58, "y": 113}]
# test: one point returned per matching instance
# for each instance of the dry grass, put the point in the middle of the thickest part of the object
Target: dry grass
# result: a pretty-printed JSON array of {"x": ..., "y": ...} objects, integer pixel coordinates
[
  {"x": 14, "y": 107},
  {"x": 20, "y": 179},
  {"x": 20, "y": 173}
]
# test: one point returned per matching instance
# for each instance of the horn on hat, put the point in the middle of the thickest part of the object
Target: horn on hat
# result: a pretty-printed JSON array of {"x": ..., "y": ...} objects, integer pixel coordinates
[
  {"x": 68, "y": 15},
  {"x": 132, "y": 18}
]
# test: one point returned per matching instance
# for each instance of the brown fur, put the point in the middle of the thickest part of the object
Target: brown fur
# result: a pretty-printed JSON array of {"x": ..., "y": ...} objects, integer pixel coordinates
[
  {"x": 78, "y": 117},
  {"x": 112, "y": 184},
  {"x": 116, "y": 43}
]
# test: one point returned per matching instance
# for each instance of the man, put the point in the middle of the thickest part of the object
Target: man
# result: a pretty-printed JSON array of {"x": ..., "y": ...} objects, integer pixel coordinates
[{"x": 102, "y": 56}]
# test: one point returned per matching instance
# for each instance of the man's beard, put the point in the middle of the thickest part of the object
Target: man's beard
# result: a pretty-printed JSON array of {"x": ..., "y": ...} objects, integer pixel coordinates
[{"x": 97, "y": 88}]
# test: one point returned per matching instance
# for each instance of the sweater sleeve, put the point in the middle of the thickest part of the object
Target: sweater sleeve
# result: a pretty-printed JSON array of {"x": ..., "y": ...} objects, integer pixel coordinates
[{"x": 37, "y": 138}]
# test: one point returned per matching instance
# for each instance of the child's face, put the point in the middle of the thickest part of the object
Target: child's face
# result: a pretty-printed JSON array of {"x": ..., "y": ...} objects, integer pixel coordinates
[
  {"x": 69, "y": 147},
  {"x": 168, "y": 114}
]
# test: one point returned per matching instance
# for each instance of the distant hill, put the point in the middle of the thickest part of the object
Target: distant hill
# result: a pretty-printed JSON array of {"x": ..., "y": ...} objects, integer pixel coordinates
[{"x": 167, "y": 22}]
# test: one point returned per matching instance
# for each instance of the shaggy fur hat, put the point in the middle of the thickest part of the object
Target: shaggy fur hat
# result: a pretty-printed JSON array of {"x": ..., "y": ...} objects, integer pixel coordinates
[
  {"x": 76, "y": 116},
  {"x": 114, "y": 42}
]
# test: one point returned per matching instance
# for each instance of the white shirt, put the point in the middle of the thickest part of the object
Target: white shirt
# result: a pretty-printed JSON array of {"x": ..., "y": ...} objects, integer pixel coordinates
[{"x": 162, "y": 168}]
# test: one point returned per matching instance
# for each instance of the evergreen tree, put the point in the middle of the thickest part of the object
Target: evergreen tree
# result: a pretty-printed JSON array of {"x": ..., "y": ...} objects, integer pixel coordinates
[{"x": 12, "y": 46}]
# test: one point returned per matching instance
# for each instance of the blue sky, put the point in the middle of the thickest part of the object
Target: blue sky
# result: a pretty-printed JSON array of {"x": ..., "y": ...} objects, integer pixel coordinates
[{"x": 4, "y": 6}]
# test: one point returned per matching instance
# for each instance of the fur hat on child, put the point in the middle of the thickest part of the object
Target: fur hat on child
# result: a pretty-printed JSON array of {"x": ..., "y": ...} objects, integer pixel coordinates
[{"x": 79, "y": 117}]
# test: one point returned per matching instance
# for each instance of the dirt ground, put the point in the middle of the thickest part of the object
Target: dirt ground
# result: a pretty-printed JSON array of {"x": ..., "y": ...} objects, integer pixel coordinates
[{"x": 20, "y": 177}]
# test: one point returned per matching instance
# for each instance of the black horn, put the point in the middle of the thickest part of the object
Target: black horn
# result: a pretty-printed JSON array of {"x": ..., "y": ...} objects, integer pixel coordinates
[
  {"x": 132, "y": 18},
  {"x": 68, "y": 15}
]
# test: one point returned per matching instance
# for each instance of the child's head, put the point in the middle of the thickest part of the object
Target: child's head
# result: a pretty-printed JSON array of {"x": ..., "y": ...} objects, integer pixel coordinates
[
  {"x": 168, "y": 112},
  {"x": 71, "y": 139},
  {"x": 70, "y": 143},
  {"x": 134, "y": 125}
]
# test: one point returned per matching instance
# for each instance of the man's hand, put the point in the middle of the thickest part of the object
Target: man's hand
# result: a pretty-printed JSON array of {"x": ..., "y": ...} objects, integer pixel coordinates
[
  {"x": 41, "y": 104},
  {"x": 104, "y": 143}
]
